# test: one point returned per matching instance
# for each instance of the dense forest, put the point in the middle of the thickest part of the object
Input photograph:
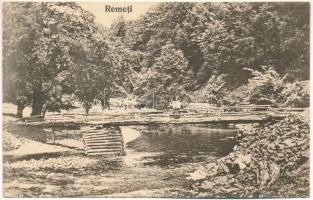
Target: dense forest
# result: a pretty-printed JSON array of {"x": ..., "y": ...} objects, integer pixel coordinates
[{"x": 54, "y": 54}]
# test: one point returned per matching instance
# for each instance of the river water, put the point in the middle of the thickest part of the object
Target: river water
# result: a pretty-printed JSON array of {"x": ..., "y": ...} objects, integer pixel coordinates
[{"x": 157, "y": 162}]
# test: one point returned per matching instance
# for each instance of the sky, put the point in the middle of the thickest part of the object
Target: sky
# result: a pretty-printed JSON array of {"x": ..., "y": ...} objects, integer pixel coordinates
[{"x": 106, "y": 18}]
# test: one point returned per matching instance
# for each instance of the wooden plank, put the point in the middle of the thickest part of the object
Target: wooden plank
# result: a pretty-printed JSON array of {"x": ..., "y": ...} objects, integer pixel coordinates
[
  {"x": 103, "y": 143},
  {"x": 113, "y": 150},
  {"x": 101, "y": 137},
  {"x": 101, "y": 134},
  {"x": 106, "y": 153},
  {"x": 105, "y": 147}
]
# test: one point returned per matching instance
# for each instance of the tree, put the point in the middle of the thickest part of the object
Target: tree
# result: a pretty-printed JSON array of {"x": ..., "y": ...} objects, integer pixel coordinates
[
  {"x": 166, "y": 79},
  {"x": 125, "y": 62},
  {"x": 225, "y": 38},
  {"x": 234, "y": 36},
  {"x": 43, "y": 35},
  {"x": 17, "y": 40},
  {"x": 92, "y": 72}
]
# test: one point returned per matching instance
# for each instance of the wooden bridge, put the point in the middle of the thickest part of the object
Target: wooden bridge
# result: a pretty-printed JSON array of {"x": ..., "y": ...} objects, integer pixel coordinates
[
  {"x": 105, "y": 137},
  {"x": 215, "y": 115}
]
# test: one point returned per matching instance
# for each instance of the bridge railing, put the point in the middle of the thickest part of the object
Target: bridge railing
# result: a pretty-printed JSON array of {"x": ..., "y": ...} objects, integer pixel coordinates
[
  {"x": 156, "y": 114},
  {"x": 210, "y": 111}
]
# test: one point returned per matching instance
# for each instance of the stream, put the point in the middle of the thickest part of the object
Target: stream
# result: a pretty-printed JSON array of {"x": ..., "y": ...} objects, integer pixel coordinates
[{"x": 157, "y": 162}]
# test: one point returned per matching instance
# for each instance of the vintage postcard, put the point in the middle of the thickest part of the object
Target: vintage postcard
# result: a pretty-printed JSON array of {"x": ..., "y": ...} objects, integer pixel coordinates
[{"x": 155, "y": 99}]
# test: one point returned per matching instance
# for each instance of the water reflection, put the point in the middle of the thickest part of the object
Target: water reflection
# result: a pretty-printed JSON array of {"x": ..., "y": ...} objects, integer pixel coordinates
[{"x": 183, "y": 144}]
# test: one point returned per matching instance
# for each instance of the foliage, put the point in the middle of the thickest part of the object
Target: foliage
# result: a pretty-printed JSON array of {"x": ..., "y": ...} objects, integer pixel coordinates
[
  {"x": 40, "y": 40},
  {"x": 175, "y": 49},
  {"x": 16, "y": 40},
  {"x": 234, "y": 36},
  {"x": 212, "y": 92},
  {"x": 296, "y": 95},
  {"x": 91, "y": 75},
  {"x": 269, "y": 88},
  {"x": 226, "y": 38},
  {"x": 263, "y": 88},
  {"x": 167, "y": 78}
]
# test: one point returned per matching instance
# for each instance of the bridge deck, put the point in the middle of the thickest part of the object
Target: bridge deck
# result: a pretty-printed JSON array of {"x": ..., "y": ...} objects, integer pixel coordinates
[
  {"x": 185, "y": 118},
  {"x": 194, "y": 120}
]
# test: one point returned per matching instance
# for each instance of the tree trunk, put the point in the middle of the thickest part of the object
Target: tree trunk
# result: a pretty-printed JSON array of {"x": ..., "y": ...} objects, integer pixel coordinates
[
  {"x": 19, "y": 113},
  {"x": 107, "y": 102},
  {"x": 44, "y": 111},
  {"x": 87, "y": 110},
  {"x": 102, "y": 104},
  {"x": 37, "y": 108},
  {"x": 38, "y": 101}
]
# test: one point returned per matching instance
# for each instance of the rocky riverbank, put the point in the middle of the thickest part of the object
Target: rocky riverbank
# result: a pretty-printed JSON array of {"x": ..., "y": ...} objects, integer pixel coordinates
[
  {"x": 270, "y": 160},
  {"x": 59, "y": 163}
]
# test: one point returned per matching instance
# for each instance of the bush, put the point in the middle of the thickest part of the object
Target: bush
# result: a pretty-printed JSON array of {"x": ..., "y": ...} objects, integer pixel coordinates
[
  {"x": 267, "y": 87},
  {"x": 296, "y": 95}
]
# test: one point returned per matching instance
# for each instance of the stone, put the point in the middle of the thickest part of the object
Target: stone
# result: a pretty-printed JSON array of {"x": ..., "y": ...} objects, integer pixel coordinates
[{"x": 261, "y": 158}]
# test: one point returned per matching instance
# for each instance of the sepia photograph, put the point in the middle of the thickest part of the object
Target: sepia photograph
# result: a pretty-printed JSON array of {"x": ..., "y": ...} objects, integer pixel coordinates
[{"x": 155, "y": 99}]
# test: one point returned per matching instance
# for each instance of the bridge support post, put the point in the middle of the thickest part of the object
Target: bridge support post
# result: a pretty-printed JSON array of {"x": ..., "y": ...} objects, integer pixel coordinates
[
  {"x": 153, "y": 99},
  {"x": 219, "y": 113},
  {"x": 53, "y": 136}
]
